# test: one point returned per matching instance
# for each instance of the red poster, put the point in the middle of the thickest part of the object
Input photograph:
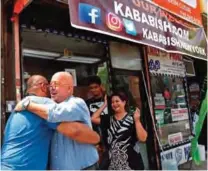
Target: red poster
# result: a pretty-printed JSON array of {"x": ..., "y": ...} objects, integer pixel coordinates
[{"x": 187, "y": 9}]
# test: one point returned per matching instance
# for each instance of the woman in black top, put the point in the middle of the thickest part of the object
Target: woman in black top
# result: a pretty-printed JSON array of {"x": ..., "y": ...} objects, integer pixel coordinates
[{"x": 121, "y": 131}]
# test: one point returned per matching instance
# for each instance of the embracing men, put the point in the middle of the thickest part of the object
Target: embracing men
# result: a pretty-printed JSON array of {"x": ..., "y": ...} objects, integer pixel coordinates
[{"x": 69, "y": 116}]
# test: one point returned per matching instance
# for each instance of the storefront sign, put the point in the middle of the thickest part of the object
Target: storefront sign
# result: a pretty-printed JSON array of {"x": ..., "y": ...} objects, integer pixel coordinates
[
  {"x": 204, "y": 5},
  {"x": 141, "y": 22},
  {"x": 175, "y": 138},
  {"x": 180, "y": 154},
  {"x": 187, "y": 9},
  {"x": 159, "y": 101},
  {"x": 194, "y": 87},
  {"x": 190, "y": 69},
  {"x": 194, "y": 95},
  {"x": 164, "y": 63},
  {"x": 179, "y": 114},
  {"x": 159, "y": 115}
]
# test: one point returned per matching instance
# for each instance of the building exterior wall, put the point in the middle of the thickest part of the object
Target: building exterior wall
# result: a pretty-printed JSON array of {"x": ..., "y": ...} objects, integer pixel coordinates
[{"x": 7, "y": 60}]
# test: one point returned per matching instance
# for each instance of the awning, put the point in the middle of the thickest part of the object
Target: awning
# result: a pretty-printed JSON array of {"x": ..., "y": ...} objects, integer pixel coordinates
[
  {"x": 51, "y": 19},
  {"x": 141, "y": 22}
]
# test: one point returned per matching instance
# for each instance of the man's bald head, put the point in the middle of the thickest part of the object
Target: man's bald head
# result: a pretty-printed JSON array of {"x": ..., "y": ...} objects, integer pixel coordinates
[
  {"x": 61, "y": 86},
  {"x": 35, "y": 79},
  {"x": 37, "y": 84},
  {"x": 64, "y": 77}
]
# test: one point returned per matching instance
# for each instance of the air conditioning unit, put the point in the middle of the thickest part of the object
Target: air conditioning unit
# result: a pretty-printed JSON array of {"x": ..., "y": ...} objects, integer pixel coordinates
[{"x": 190, "y": 70}]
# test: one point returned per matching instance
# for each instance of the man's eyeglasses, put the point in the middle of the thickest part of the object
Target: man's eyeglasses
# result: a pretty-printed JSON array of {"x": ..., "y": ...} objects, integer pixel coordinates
[{"x": 57, "y": 84}]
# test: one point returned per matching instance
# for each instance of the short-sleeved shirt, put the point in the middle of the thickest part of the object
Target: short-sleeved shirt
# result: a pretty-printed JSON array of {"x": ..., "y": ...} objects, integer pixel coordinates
[
  {"x": 93, "y": 105},
  {"x": 27, "y": 140},
  {"x": 121, "y": 140},
  {"x": 67, "y": 154}
]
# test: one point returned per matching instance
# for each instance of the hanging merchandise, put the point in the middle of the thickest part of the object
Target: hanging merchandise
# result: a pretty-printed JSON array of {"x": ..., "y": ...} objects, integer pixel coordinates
[
  {"x": 194, "y": 95},
  {"x": 159, "y": 101}
]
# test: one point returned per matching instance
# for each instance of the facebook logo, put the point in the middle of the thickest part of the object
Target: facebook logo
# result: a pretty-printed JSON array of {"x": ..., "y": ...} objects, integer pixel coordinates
[{"x": 89, "y": 13}]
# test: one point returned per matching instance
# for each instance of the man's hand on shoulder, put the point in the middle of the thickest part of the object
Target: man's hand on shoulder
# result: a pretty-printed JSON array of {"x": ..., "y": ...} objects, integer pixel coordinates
[
  {"x": 23, "y": 104},
  {"x": 28, "y": 104}
]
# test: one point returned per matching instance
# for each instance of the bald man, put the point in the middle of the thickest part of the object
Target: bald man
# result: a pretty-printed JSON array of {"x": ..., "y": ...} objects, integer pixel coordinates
[
  {"x": 66, "y": 154},
  {"x": 27, "y": 136}
]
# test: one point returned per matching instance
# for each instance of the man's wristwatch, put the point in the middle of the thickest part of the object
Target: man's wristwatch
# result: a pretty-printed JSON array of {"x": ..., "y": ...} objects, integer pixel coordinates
[{"x": 25, "y": 104}]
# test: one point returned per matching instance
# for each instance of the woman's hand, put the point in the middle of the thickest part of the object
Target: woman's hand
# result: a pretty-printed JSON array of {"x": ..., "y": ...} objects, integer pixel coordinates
[
  {"x": 105, "y": 100},
  {"x": 140, "y": 131},
  {"x": 95, "y": 118},
  {"x": 137, "y": 114}
]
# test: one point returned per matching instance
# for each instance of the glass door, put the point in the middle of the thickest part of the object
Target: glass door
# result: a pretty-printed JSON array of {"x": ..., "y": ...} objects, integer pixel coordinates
[{"x": 130, "y": 82}]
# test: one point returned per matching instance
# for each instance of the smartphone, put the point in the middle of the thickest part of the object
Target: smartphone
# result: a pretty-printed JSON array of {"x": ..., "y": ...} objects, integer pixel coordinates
[{"x": 132, "y": 109}]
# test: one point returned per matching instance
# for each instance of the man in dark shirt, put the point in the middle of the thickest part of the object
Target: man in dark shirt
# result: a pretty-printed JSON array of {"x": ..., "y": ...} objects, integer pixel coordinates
[
  {"x": 94, "y": 103},
  {"x": 97, "y": 100}
]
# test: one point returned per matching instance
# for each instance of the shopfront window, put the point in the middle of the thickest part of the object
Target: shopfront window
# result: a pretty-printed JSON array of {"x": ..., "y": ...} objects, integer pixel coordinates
[
  {"x": 48, "y": 53},
  {"x": 170, "y": 108},
  {"x": 129, "y": 82},
  {"x": 169, "y": 97},
  {"x": 130, "y": 85},
  {"x": 127, "y": 65}
]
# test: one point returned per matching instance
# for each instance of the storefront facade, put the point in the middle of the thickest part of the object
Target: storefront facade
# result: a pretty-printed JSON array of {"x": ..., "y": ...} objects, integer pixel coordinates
[
  {"x": 46, "y": 42},
  {"x": 7, "y": 57}
]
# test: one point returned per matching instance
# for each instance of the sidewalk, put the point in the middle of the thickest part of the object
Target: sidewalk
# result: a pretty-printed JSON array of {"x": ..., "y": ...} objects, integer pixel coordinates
[{"x": 192, "y": 166}]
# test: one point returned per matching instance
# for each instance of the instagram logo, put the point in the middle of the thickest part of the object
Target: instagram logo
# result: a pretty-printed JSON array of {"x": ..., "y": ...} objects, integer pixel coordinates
[{"x": 114, "y": 22}]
